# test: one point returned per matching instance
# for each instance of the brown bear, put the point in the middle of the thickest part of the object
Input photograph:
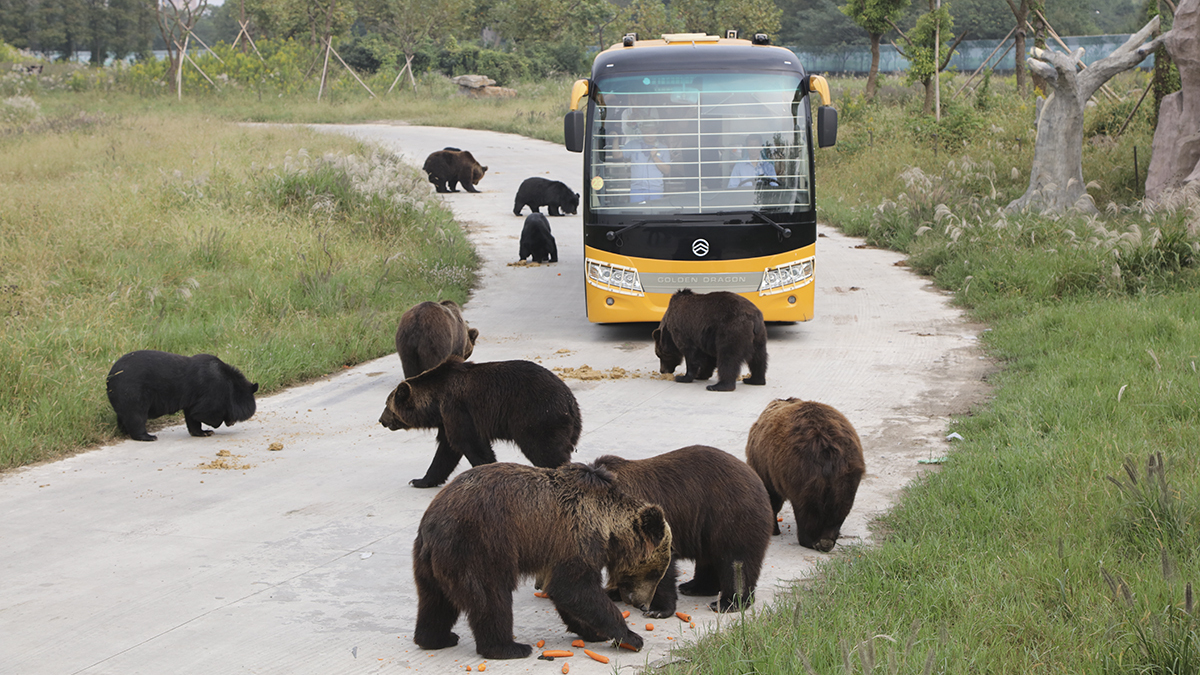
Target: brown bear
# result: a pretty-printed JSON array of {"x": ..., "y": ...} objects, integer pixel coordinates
[
  {"x": 431, "y": 331},
  {"x": 147, "y": 383},
  {"x": 494, "y": 524},
  {"x": 554, "y": 195},
  {"x": 450, "y": 166},
  {"x": 473, "y": 404},
  {"x": 809, "y": 454},
  {"x": 721, "y": 330},
  {"x": 719, "y": 514},
  {"x": 537, "y": 243}
]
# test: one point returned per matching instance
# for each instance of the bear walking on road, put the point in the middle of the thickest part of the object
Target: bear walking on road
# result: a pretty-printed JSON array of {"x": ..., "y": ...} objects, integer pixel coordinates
[
  {"x": 808, "y": 453},
  {"x": 537, "y": 192},
  {"x": 536, "y": 241},
  {"x": 719, "y": 514},
  {"x": 146, "y": 384},
  {"x": 431, "y": 331},
  {"x": 473, "y": 404},
  {"x": 494, "y": 524},
  {"x": 719, "y": 330},
  {"x": 450, "y": 166}
]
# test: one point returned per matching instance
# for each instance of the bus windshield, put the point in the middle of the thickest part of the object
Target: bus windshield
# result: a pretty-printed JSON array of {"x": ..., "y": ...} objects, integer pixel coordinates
[{"x": 711, "y": 143}]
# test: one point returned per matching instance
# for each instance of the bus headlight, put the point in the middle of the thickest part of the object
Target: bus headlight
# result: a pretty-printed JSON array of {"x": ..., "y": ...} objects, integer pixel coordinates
[
  {"x": 786, "y": 277},
  {"x": 614, "y": 278}
]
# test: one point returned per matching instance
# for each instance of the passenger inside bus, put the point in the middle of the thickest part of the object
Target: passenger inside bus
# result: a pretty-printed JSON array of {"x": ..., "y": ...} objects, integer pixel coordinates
[
  {"x": 753, "y": 166},
  {"x": 648, "y": 163}
]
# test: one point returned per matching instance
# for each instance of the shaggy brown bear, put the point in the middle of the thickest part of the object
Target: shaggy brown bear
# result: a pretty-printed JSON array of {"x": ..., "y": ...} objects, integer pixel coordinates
[
  {"x": 721, "y": 330},
  {"x": 431, "y": 331},
  {"x": 146, "y": 384},
  {"x": 719, "y": 515},
  {"x": 494, "y": 524},
  {"x": 809, "y": 454},
  {"x": 450, "y": 166},
  {"x": 554, "y": 195},
  {"x": 473, "y": 404},
  {"x": 536, "y": 241}
]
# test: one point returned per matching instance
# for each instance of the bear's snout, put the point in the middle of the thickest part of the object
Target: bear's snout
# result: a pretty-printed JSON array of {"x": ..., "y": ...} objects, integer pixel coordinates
[{"x": 391, "y": 421}]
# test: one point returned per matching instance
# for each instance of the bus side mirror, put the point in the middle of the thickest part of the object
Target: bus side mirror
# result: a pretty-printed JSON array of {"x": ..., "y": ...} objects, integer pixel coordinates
[
  {"x": 573, "y": 127},
  {"x": 826, "y": 126}
]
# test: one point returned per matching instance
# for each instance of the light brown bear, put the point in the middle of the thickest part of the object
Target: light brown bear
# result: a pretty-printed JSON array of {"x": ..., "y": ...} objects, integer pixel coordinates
[
  {"x": 431, "y": 331},
  {"x": 719, "y": 513},
  {"x": 719, "y": 330},
  {"x": 494, "y": 524},
  {"x": 809, "y": 454}
]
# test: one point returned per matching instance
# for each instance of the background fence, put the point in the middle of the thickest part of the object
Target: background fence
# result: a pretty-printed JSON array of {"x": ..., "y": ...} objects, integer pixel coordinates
[{"x": 968, "y": 56}]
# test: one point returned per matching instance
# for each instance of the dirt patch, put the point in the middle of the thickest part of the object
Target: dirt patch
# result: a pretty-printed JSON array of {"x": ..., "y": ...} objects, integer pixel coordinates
[
  {"x": 525, "y": 263},
  {"x": 586, "y": 372},
  {"x": 225, "y": 460}
]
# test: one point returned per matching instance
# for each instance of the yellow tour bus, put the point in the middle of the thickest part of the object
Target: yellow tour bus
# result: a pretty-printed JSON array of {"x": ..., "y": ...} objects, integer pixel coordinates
[{"x": 698, "y": 173}]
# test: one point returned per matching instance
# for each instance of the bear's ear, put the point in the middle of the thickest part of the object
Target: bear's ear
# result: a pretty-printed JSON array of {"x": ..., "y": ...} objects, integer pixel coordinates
[
  {"x": 657, "y": 335},
  {"x": 253, "y": 387},
  {"x": 472, "y": 334},
  {"x": 402, "y": 393},
  {"x": 651, "y": 526}
]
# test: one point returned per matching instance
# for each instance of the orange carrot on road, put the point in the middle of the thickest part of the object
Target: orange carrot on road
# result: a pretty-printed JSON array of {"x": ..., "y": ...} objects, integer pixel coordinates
[
  {"x": 551, "y": 653},
  {"x": 599, "y": 657}
]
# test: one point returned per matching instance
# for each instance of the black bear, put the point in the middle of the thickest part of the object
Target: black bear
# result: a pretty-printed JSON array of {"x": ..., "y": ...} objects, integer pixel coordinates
[
  {"x": 494, "y": 524},
  {"x": 721, "y": 330},
  {"x": 808, "y": 453},
  {"x": 554, "y": 195},
  {"x": 146, "y": 384},
  {"x": 450, "y": 166},
  {"x": 719, "y": 515},
  {"x": 536, "y": 241},
  {"x": 431, "y": 331},
  {"x": 472, "y": 404}
]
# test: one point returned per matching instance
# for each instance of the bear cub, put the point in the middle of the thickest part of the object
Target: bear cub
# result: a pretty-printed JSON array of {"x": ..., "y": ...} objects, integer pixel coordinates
[
  {"x": 719, "y": 515},
  {"x": 146, "y": 384},
  {"x": 808, "y": 453},
  {"x": 473, "y": 404},
  {"x": 447, "y": 167},
  {"x": 719, "y": 330},
  {"x": 554, "y": 195},
  {"x": 536, "y": 241},
  {"x": 494, "y": 524},
  {"x": 431, "y": 331}
]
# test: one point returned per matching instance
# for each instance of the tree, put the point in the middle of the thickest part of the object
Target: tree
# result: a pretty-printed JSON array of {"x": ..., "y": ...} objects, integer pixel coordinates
[
  {"x": 876, "y": 17},
  {"x": 1021, "y": 10},
  {"x": 650, "y": 19},
  {"x": 1056, "y": 178},
  {"x": 924, "y": 49},
  {"x": 175, "y": 21},
  {"x": 746, "y": 16},
  {"x": 411, "y": 23},
  {"x": 1175, "y": 161}
]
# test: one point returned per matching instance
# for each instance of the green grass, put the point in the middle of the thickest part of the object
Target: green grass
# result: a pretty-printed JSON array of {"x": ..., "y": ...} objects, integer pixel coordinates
[{"x": 285, "y": 253}]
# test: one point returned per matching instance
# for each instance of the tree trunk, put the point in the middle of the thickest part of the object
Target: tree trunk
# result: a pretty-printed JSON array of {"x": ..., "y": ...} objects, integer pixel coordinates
[
  {"x": 1176, "y": 155},
  {"x": 1056, "y": 177},
  {"x": 929, "y": 96},
  {"x": 873, "y": 74},
  {"x": 1019, "y": 56}
]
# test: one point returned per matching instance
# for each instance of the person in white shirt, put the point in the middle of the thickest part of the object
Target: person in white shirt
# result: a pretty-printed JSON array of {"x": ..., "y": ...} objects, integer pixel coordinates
[
  {"x": 752, "y": 167},
  {"x": 648, "y": 158}
]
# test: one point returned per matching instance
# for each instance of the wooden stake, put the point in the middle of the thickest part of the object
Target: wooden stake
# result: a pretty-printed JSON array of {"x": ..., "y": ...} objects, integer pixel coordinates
[
  {"x": 324, "y": 70},
  {"x": 348, "y": 68}
]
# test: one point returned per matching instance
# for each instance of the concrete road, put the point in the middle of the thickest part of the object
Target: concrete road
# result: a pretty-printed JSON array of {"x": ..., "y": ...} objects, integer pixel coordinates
[{"x": 148, "y": 558}]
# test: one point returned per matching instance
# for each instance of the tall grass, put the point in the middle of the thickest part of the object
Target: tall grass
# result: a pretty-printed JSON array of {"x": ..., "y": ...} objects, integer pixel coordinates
[{"x": 285, "y": 253}]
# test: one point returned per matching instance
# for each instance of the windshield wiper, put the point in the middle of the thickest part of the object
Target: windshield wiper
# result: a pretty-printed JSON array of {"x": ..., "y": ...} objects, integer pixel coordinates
[
  {"x": 785, "y": 231},
  {"x": 610, "y": 235}
]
